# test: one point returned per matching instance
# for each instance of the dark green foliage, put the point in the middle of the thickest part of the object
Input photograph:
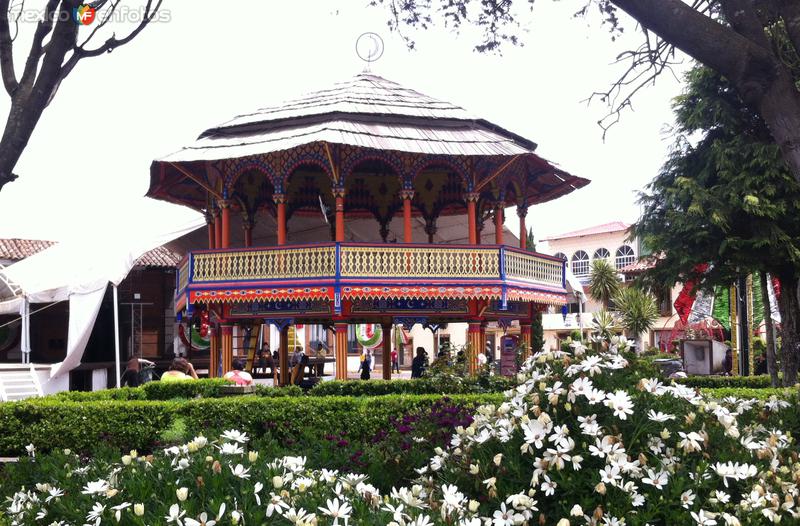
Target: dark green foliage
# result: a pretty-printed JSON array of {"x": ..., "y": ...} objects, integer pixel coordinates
[
  {"x": 537, "y": 333},
  {"x": 450, "y": 385},
  {"x": 123, "y": 424},
  {"x": 203, "y": 388},
  {"x": 749, "y": 382}
]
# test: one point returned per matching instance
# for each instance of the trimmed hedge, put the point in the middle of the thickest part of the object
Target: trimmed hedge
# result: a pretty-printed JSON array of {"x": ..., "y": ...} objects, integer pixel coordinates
[
  {"x": 124, "y": 424},
  {"x": 202, "y": 388},
  {"x": 750, "y": 382},
  {"x": 786, "y": 393},
  {"x": 438, "y": 385}
]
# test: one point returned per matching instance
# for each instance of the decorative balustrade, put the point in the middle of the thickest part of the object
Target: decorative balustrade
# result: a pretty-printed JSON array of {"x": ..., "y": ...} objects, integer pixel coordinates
[
  {"x": 382, "y": 261},
  {"x": 526, "y": 266},
  {"x": 353, "y": 262}
]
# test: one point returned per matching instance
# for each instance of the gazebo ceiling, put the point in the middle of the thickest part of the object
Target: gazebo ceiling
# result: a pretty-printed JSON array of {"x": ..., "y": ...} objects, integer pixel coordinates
[{"x": 336, "y": 130}]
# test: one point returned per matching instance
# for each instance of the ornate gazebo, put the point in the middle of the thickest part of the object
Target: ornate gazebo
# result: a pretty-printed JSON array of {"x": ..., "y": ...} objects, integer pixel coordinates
[{"x": 364, "y": 152}]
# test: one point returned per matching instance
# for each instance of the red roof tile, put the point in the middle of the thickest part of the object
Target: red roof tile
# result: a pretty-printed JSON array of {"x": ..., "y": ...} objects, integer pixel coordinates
[
  {"x": 645, "y": 263},
  {"x": 615, "y": 226},
  {"x": 17, "y": 249}
]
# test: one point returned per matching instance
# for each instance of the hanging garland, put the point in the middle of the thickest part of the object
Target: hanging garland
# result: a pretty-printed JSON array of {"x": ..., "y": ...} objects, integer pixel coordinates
[{"x": 369, "y": 335}]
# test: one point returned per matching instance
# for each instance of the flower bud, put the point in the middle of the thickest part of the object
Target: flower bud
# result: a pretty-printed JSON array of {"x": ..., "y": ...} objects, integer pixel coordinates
[
  {"x": 216, "y": 467},
  {"x": 498, "y": 458},
  {"x": 600, "y": 488},
  {"x": 277, "y": 482},
  {"x": 576, "y": 511},
  {"x": 138, "y": 509},
  {"x": 563, "y": 522},
  {"x": 126, "y": 460},
  {"x": 252, "y": 456},
  {"x": 473, "y": 506},
  {"x": 182, "y": 493}
]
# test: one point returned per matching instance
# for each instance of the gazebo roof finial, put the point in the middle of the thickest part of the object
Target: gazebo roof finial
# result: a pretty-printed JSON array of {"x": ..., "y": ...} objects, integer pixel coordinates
[{"x": 369, "y": 48}]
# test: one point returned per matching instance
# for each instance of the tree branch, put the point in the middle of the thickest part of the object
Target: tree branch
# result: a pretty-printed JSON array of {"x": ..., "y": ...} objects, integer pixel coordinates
[
  {"x": 7, "y": 51},
  {"x": 112, "y": 43},
  {"x": 707, "y": 40},
  {"x": 43, "y": 28}
]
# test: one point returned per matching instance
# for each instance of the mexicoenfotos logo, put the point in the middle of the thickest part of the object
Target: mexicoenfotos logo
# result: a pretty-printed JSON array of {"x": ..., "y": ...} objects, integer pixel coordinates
[{"x": 84, "y": 14}]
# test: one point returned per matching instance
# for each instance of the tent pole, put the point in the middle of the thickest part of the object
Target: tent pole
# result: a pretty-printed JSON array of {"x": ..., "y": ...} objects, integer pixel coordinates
[
  {"x": 23, "y": 344},
  {"x": 116, "y": 336}
]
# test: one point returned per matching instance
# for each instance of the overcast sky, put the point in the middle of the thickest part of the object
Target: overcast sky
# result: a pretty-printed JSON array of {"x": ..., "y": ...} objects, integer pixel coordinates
[{"x": 87, "y": 163}]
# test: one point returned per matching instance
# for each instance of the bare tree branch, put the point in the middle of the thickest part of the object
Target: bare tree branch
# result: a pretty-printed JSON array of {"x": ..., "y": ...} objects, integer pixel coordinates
[
  {"x": 43, "y": 28},
  {"x": 7, "y": 51}
]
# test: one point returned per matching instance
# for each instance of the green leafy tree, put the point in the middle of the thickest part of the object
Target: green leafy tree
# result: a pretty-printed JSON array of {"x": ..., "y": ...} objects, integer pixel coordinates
[
  {"x": 638, "y": 313},
  {"x": 537, "y": 333},
  {"x": 604, "y": 282},
  {"x": 725, "y": 197}
]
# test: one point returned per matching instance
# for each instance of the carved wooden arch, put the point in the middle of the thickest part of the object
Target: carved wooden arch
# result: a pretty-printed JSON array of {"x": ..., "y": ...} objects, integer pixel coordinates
[
  {"x": 456, "y": 164},
  {"x": 377, "y": 200},
  {"x": 305, "y": 155},
  {"x": 233, "y": 169},
  {"x": 352, "y": 157},
  {"x": 263, "y": 200}
]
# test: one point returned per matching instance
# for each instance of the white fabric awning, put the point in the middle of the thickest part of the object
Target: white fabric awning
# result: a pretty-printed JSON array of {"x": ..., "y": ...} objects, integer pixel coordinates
[{"x": 80, "y": 270}]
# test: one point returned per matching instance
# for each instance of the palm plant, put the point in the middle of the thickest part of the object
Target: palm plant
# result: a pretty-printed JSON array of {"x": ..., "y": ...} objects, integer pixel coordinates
[
  {"x": 604, "y": 283},
  {"x": 638, "y": 312}
]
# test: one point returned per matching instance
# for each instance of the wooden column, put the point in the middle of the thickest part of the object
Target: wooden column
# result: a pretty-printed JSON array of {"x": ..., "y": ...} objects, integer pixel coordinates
[
  {"x": 407, "y": 196},
  {"x": 472, "y": 217},
  {"x": 522, "y": 211},
  {"x": 227, "y": 347},
  {"x": 338, "y": 194},
  {"x": 476, "y": 337},
  {"x": 283, "y": 356},
  {"x": 247, "y": 227},
  {"x": 340, "y": 350},
  {"x": 280, "y": 211},
  {"x": 387, "y": 350},
  {"x": 430, "y": 229},
  {"x": 525, "y": 338},
  {"x": 225, "y": 214},
  {"x": 212, "y": 241},
  {"x": 498, "y": 224},
  {"x": 217, "y": 231},
  {"x": 213, "y": 358}
]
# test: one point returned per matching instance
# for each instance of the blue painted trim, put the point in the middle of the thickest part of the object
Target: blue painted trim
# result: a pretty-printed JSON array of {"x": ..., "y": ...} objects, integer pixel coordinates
[
  {"x": 503, "y": 298},
  {"x": 503, "y": 263},
  {"x": 564, "y": 274},
  {"x": 337, "y": 288}
]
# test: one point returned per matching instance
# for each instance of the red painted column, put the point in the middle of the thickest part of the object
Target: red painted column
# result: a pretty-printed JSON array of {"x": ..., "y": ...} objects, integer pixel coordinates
[
  {"x": 212, "y": 241},
  {"x": 498, "y": 224},
  {"x": 217, "y": 231},
  {"x": 226, "y": 224},
  {"x": 280, "y": 202},
  {"x": 227, "y": 347},
  {"x": 338, "y": 193},
  {"x": 522, "y": 211},
  {"x": 472, "y": 217},
  {"x": 247, "y": 226},
  {"x": 407, "y": 196}
]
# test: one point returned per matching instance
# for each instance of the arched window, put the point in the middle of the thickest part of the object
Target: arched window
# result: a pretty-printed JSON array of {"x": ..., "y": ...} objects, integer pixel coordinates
[
  {"x": 625, "y": 257},
  {"x": 601, "y": 253},
  {"x": 580, "y": 263},
  {"x": 560, "y": 255}
]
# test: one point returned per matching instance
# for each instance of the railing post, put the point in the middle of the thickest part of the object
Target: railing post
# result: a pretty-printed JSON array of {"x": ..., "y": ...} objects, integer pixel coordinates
[{"x": 337, "y": 288}]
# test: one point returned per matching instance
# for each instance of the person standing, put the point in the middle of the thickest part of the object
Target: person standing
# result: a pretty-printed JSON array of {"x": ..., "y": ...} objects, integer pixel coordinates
[
  {"x": 419, "y": 364},
  {"x": 395, "y": 362},
  {"x": 366, "y": 365}
]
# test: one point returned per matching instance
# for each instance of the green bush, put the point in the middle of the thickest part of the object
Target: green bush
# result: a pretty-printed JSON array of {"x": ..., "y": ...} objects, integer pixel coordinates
[
  {"x": 451, "y": 384},
  {"x": 750, "y": 382},
  {"x": 81, "y": 426},
  {"x": 202, "y": 388},
  {"x": 788, "y": 393},
  {"x": 124, "y": 424}
]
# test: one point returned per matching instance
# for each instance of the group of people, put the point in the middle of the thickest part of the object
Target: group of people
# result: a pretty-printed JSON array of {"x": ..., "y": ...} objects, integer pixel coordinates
[
  {"x": 139, "y": 371},
  {"x": 367, "y": 363}
]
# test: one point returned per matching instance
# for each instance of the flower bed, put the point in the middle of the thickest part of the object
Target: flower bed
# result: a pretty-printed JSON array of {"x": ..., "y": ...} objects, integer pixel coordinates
[{"x": 582, "y": 440}]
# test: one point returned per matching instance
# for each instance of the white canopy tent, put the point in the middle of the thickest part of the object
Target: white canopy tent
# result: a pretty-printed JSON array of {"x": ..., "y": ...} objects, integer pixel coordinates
[{"x": 79, "y": 271}]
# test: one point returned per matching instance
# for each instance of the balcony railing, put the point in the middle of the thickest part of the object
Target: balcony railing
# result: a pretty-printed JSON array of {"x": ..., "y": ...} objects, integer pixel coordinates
[{"x": 341, "y": 263}]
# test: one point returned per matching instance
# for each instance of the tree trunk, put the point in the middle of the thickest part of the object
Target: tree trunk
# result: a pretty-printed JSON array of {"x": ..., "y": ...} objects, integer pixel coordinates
[
  {"x": 789, "y": 307},
  {"x": 22, "y": 119},
  {"x": 762, "y": 80},
  {"x": 772, "y": 366}
]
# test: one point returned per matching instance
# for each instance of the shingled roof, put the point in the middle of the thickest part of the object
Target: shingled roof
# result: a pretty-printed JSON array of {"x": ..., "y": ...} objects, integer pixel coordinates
[{"x": 17, "y": 249}]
